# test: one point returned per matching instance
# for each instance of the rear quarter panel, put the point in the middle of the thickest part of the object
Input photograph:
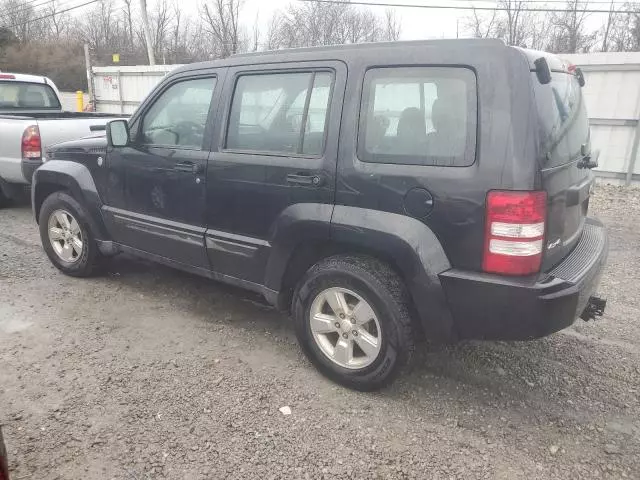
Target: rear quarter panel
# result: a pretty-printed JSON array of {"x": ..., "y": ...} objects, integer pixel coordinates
[
  {"x": 505, "y": 148},
  {"x": 11, "y": 129}
]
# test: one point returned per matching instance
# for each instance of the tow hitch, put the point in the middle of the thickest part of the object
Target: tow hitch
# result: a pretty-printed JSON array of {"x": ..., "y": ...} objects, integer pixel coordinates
[{"x": 595, "y": 308}]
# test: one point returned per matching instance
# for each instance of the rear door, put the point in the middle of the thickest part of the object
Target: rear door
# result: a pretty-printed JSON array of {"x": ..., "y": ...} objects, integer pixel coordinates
[
  {"x": 276, "y": 159},
  {"x": 564, "y": 140}
]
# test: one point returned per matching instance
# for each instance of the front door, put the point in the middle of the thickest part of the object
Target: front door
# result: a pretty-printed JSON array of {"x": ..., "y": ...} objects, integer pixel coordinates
[
  {"x": 275, "y": 162},
  {"x": 162, "y": 174}
]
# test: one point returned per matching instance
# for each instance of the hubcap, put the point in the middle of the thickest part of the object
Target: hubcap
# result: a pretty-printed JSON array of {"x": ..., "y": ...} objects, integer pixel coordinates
[
  {"x": 345, "y": 328},
  {"x": 65, "y": 236}
]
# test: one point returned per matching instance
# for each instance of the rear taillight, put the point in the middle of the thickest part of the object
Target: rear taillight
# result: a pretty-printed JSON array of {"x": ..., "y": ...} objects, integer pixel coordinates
[
  {"x": 514, "y": 236},
  {"x": 31, "y": 143}
]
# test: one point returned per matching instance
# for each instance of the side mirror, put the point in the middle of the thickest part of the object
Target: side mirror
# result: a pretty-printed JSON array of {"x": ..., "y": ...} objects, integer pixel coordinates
[{"x": 118, "y": 133}]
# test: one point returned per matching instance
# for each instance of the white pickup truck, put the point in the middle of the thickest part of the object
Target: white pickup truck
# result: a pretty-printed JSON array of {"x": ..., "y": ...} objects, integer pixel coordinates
[{"x": 31, "y": 120}]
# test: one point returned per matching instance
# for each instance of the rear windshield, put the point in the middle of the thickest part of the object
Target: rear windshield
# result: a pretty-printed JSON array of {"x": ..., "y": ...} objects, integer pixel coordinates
[
  {"x": 27, "y": 96},
  {"x": 564, "y": 126}
]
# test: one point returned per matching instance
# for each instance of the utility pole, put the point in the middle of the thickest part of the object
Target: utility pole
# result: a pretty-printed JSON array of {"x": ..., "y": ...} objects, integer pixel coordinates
[
  {"x": 147, "y": 32},
  {"x": 87, "y": 61}
]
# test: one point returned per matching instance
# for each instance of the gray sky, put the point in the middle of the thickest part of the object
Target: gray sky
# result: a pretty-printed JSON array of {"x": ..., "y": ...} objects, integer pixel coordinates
[{"x": 417, "y": 23}]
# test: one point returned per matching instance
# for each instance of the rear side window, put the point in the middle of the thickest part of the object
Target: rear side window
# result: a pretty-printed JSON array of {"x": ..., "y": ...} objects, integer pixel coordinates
[
  {"x": 563, "y": 121},
  {"x": 27, "y": 96},
  {"x": 280, "y": 113},
  {"x": 418, "y": 116}
]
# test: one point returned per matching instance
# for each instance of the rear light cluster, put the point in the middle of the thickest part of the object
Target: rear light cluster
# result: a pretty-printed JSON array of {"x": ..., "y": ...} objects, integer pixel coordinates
[
  {"x": 31, "y": 143},
  {"x": 514, "y": 236}
]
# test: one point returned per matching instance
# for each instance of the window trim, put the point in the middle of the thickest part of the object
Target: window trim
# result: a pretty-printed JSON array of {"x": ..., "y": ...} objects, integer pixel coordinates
[
  {"x": 266, "y": 153},
  {"x": 141, "y": 118},
  {"x": 365, "y": 91}
]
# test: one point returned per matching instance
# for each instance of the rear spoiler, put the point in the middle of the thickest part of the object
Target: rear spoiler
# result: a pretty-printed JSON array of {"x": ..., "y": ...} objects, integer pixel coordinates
[{"x": 543, "y": 71}]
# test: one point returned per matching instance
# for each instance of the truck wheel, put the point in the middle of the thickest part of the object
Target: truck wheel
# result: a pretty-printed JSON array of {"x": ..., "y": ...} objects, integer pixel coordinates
[
  {"x": 66, "y": 236},
  {"x": 352, "y": 320}
]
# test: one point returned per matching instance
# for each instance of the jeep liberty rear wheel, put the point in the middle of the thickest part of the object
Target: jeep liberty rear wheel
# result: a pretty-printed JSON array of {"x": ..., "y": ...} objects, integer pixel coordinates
[
  {"x": 352, "y": 320},
  {"x": 66, "y": 236}
]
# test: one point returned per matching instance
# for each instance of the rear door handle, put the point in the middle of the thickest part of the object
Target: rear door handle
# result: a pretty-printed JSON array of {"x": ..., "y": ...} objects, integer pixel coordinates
[{"x": 308, "y": 180}]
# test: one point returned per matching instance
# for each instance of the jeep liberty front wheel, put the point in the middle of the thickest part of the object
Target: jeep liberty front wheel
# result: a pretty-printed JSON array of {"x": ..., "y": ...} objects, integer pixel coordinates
[
  {"x": 66, "y": 237},
  {"x": 352, "y": 320}
]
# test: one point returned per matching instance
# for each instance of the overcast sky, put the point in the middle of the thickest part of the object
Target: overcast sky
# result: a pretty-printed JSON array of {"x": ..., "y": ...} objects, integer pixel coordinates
[{"x": 417, "y": 23}]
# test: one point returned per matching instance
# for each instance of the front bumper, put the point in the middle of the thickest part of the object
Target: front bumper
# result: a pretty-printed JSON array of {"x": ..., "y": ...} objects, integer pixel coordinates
[{"x": 493, "y": 307}]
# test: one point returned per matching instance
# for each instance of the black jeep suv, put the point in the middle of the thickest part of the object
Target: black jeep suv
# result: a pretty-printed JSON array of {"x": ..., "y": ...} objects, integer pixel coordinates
[{"x": 379, "y": 193}]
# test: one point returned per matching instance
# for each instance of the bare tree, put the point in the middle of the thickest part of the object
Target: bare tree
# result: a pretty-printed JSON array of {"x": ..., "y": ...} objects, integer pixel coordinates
[
  {"x": 621, "y": 32},
  {"x": 160, "y": 21},
  {"x": 309, "y": 24},
  {"x": 102, "y": 28},
  {"x": 56, "y": 23},
  {"x": 513, "y": 23},
  {"x": 539, "y": 32},
  {"x": 392, "y": 26},
  {"x": 129, "y": 21},
  {"x": 482, "y": 26},
  {"x": 569, "y": 33},
  {"x": 255, "y": 34},
  {"x": 18, "y": 16},
  {"x": 221, "y": 19}
]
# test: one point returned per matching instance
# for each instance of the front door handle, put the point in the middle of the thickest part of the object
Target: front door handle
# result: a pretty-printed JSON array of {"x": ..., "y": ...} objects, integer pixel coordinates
[
  {"x": 308, "y": 180},
  {"x": 190, "y": 167}
]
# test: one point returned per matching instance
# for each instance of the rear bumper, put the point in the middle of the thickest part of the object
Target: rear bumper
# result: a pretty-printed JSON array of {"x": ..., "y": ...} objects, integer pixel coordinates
[{"x": 493, "y": 307}]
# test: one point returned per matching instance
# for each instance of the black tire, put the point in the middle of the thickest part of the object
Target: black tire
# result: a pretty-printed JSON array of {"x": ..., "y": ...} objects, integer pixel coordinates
[
  {"x": 383, "y": 289},
  {"x": 90, "y": 256}
]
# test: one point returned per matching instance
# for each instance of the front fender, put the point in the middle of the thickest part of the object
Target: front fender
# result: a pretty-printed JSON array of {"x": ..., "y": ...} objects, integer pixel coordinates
[
  {"x": 413, "y": 248},
  {"x": 76, "y": 178}
]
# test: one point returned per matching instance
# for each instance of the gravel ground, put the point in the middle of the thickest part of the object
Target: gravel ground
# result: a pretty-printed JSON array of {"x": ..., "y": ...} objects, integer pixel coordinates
[{"x": 150, "y": 373}]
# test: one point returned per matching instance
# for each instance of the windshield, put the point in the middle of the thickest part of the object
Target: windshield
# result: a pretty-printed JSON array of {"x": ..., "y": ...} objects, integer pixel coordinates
[
  {"x": 563, "y": 121},
  {"x": 27, "y": 96}
]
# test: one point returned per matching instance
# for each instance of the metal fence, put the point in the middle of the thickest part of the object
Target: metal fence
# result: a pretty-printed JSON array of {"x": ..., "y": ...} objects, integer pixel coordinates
[
  {"x": 612, "y": 96},
  {"x": 121, "y": 89}
]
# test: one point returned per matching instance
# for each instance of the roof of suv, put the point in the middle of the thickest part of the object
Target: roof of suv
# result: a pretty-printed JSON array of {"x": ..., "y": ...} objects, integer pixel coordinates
[{"x": 337, "y": 52}]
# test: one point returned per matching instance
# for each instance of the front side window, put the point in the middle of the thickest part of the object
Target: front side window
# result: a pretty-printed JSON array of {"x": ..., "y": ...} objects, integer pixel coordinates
[
  {"x": 418, "y": 116},
  {"x": 280, "y": 113},
  {"x": 179, "y": 116}
]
